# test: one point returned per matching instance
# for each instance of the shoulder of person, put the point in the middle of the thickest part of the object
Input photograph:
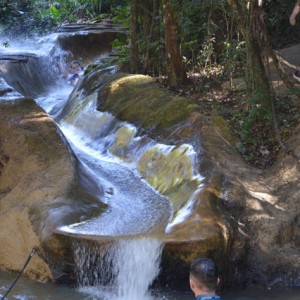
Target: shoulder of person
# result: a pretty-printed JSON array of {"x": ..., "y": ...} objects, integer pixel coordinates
[{"x": 209, "y": 297}]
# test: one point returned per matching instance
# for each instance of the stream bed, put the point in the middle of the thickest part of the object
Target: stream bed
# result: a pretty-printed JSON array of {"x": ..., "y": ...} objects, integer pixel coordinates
[{"x": 27, "y": 289}]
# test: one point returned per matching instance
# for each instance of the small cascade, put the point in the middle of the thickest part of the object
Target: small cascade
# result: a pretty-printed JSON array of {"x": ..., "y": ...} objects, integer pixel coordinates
[
  {"x": 146, "y": 186},
  {"x": 168, "y": 169},
  {"x": 123, "y": 270},
  {"x": 33, "y": 68}
]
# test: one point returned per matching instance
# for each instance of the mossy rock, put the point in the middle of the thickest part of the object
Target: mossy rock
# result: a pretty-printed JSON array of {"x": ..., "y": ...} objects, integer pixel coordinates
[
  {"x": 141, "y": 100},
  {"x": 223, "y": 129}
]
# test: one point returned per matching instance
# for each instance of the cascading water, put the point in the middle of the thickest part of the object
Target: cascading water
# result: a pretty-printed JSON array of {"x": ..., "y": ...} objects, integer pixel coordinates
[
  {"x": 118, "y": 271},
  {"x": 118, "y": 268},
  {"x": 104, "y": 143},
  {"x": 137, "y": 265},
  {"x": 122, "y": 164}
]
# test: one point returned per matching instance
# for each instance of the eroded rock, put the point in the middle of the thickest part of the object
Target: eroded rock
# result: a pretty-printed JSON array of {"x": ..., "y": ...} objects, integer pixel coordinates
[
  {"x": 36, "y": 175},
  {"x": 252, "y": 232}
]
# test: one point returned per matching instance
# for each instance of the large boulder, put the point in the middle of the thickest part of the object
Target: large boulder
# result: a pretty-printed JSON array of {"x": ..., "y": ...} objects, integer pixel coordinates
[{"x": 36, "y": 176}]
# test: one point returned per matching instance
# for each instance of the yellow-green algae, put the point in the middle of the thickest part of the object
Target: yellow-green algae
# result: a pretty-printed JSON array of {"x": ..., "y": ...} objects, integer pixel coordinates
[
  {"x": 123, "y": 138},
  {"x": 205, "y": 230},
  {"x": 170, "y": 173},
  {"x": 181, "y": 193},
  {"x": 164, "y": 170},
  {"x": 139, "y": 99},
  {"x": 168, "y": 169}
]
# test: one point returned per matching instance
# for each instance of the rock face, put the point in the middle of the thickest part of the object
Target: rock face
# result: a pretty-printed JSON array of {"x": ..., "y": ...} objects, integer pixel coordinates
[
  {"x": 86, "y": 45},
  {"x": 17, "y": 68},
  {"x": 246, "y": 219},
  {"x": 36, "y": 175}
]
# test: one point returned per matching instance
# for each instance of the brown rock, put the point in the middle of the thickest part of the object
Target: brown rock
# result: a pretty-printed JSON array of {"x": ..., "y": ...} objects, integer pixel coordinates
[{"x": 36, "y": 175}]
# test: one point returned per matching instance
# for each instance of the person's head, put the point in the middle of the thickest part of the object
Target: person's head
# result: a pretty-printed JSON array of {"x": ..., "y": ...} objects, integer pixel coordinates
[
  {"x": 76, "y": 66},
  {"x": 203, "y": 276}
]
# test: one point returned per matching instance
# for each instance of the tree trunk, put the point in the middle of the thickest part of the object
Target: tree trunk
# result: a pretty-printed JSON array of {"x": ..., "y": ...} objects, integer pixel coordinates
[
  {"x": 258, "y": 57},
  {"x": 175, "y": 68},
  {"x": 134, "y": 59},
  {"x": 146, "y": 17},
  {"x": 257, "y": 80},
  {"x": 151, "y": 34}
]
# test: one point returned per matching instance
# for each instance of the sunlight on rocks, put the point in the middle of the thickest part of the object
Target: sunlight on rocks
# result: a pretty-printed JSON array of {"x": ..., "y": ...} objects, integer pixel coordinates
[
  {"x": 36, "y": 117},
  {"x": 264, "y": 197},
  {"x": 254, "y": 204},
  {"x": 261, "y": 216},
  {"x": 131, "y": 78},
  {"x": 289, "y": 173}
]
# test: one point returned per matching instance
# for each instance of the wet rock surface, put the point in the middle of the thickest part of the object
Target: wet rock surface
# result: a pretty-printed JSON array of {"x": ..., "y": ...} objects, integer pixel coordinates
[
  {"x": 246, "y": 219},
  {"x": 36, "y": 175},
  {"x": 252, "y": 227}
]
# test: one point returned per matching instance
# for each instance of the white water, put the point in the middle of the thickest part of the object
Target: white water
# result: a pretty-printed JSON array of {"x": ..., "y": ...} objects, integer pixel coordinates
[
  {"x": 91, "y": 133},
  {"x": 137, "y": 265},
  {"x": 122, "y": 271},
  {"x": 127, "y": 268},
  {"x": 134, "y": 208}
]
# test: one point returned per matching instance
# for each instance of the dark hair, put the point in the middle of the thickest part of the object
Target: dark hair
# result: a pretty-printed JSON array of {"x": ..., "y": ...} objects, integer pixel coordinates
[
  {"x": 76, "y": 62},
  {"x": 204, "y": 273}
]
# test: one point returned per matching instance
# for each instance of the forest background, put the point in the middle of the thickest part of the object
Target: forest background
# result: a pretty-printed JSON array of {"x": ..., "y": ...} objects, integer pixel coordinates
[{"x": 194, "y": 48}]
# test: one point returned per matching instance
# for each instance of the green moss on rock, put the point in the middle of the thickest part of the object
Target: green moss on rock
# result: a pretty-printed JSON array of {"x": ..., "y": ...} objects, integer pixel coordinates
[
  {"x": 139, "y": 99},
  {"x": 122, "y": 140},
  {"x": 170, "y": 171}
]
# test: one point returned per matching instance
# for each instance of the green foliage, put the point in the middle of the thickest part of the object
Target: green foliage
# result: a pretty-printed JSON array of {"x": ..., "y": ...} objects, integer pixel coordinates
[
  {"x": 122, "y": 50},
  {"x": 12, "y": 15},
  {"x": 206, "y": 54},
  {"x": 28, "y": 17},
  {"x": 121, "y": 14},
  {"x": 204, "y": 28},
  {"x": 257, "y": 112},
  {"x": 54, "y": 13},
  {"x": 233, "y": 57}
]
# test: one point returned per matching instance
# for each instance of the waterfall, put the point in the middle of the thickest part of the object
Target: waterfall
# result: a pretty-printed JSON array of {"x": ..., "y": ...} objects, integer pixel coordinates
[
  {"x": 121, "y": 271},
  {"x": 144, "y": 183}
]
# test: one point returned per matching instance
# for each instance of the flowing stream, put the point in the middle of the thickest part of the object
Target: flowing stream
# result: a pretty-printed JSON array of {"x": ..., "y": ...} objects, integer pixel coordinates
[
  {"x": 124, "y": 267},
  {"x": 129, "y": 265}
]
